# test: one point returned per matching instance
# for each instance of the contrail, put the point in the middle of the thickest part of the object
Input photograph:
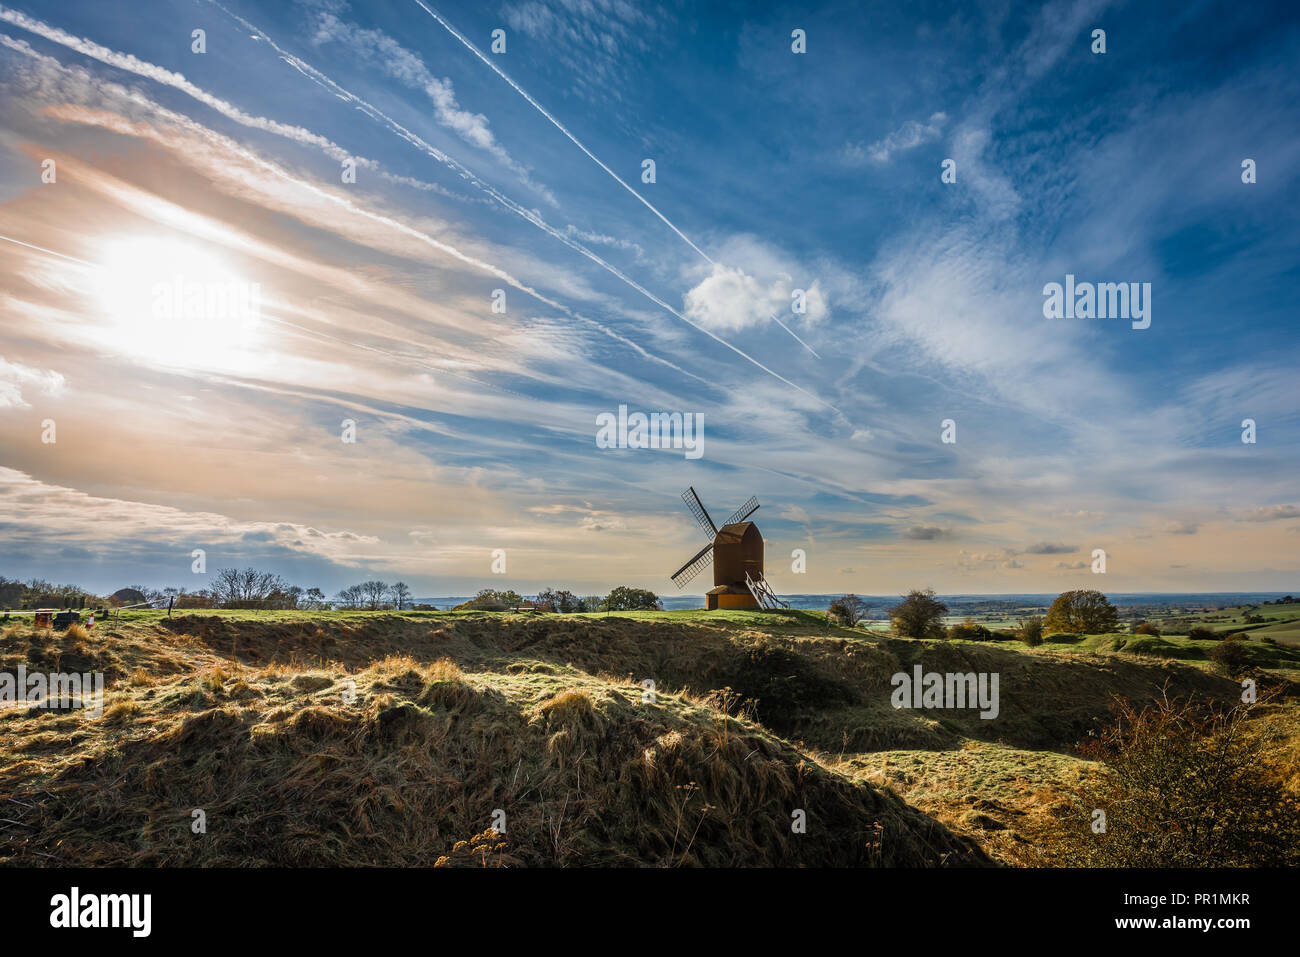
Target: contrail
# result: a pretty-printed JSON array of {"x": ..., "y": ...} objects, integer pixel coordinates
[
  {"x": 560, "y": 126},
  {"x": 19, "y": 242},
  {"x": 309, "y": 71},
  {"x": 592, "y": 156},
  {"x": 185, "y": 122},
  {"x": 150, "y": 71}
]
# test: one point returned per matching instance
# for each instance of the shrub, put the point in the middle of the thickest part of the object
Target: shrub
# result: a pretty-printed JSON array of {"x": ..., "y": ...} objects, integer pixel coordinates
[
  {"x": 1230, "y": 655},
  {"x": 919, "y": 615},
  {"x": 969, "y": 631},
  {"x": 847, "y": 610},
  {"x": 1031, "y": 631},
  {"x": 1146, "y": 628},
  {"x": 1201, "y": 633},
  {"x": 1187, "y": 786},
  {"x": 1084, "y": 611}
]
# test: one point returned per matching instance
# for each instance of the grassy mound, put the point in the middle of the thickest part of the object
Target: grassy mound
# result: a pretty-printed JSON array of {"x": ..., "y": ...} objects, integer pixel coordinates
[
  {"x": 406, "y": 763},
  {"x": 383, "y": 738}
]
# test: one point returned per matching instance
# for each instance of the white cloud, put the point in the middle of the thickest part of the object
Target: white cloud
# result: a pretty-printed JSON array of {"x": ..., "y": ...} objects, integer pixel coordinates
[
  {"x": 730, "y": 299},
  {"x": 15, "y": 375},
  {"x": 908, "y": 136},
  {"x": 378, "y": 48}
]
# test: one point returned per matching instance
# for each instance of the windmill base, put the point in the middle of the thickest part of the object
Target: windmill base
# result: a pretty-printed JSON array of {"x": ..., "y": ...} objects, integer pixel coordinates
[{"x": 730, "y": 596}]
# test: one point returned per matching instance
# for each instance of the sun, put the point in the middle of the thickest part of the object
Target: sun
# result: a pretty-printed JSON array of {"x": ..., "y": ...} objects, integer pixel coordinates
[{"x": 173, "y": 303}]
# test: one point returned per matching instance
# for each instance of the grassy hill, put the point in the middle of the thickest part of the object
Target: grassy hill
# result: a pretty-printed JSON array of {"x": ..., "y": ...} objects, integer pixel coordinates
[{"x": 356, "y": 738}]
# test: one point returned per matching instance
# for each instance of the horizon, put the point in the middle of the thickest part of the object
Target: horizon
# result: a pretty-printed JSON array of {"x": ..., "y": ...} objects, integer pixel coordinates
[{"x": 347, "y": 294}]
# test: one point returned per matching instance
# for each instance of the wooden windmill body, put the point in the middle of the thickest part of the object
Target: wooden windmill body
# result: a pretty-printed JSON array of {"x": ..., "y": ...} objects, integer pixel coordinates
[{"x": 736, "y": 553}]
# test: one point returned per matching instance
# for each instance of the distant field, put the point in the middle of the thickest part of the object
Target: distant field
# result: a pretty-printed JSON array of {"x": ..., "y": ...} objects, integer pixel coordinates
[{"x": 1282, "y": 622}]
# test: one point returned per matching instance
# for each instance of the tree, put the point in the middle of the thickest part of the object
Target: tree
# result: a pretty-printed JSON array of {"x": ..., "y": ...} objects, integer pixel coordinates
[
  {"x": 562, "y": 601},
  {"x": 374, "y": 592},
  {"x": 400, "y": 593},
  {"x": 848, "y": 610},
  {"x": 11, "y": 592},
  {"x": 351, "y": 596},
  {"x": 1031, "y": 631},
  {"x": 919, "y": 615},
  {"x": 1082, "y": 612},
  {"x": 245, "y": 587},
  {"x": 626, "y": 598},
  {"x": 315, "y": 598}
]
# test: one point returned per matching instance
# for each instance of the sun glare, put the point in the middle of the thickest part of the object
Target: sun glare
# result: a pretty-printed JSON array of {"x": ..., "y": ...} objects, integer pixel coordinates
[{"x": 175, "y": 304}]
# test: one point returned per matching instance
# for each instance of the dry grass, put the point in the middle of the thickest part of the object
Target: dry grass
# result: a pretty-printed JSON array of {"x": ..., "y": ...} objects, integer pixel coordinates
[{"x": 385, "y": 740}]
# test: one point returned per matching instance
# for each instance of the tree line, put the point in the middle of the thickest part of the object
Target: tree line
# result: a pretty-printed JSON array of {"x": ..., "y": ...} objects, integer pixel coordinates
[
  {"x": 253, "y": 588},
  {"x": 920, "y": 614}
]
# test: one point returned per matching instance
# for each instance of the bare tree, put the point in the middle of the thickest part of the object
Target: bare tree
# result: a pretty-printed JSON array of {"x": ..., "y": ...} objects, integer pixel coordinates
[
  {"x": 350, "y": 596},
  {"x": 245, "y": 586},
  {"x": 399, "y": 593},
  {"x": 374, "y": 592}
]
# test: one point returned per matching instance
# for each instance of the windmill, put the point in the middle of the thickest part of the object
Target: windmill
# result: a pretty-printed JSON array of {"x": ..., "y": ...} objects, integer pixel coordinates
[{"x": 736, "y": 552}]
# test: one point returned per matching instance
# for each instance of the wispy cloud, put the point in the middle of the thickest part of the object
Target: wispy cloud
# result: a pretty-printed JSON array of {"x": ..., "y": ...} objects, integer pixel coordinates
[{"x": 910, "y": 135}]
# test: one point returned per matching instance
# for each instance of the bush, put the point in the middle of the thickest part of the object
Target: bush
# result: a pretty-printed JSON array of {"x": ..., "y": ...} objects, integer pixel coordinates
[
  {"x": 969, "y": 631},
  {"x": 1146, "y": 628},
  {"x": 1031, "y": 631},
  {"x": 1084, "y": 611},
  {"x": 1187, "y": 786},
  {"x": 847, "y": 610},
  {"x": 1230, "y": 655},
  {"x": 1201, "y": 633},
  {"x": 918, "y": 615}
]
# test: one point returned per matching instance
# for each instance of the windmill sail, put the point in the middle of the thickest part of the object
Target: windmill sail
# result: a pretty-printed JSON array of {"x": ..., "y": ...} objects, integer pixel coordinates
[
  {"x": 697, "y": 509},
  {"x": 746, "y": 510},
  {"x": 703, "y": 558}
]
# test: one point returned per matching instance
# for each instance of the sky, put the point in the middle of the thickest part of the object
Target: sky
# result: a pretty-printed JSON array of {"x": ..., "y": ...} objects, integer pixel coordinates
[{"x": 338, "y": 290}]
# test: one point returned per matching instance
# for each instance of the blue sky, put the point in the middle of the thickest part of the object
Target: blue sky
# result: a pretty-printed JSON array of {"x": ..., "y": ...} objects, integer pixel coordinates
[{"x": 775, "y": 171}]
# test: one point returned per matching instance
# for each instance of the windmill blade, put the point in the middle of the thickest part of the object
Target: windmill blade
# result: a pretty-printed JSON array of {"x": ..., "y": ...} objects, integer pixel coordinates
[
  {"x": 703, "y": 558},
  {"x": 746, "y": 510},
  {"x": 697, "y": 509}
]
